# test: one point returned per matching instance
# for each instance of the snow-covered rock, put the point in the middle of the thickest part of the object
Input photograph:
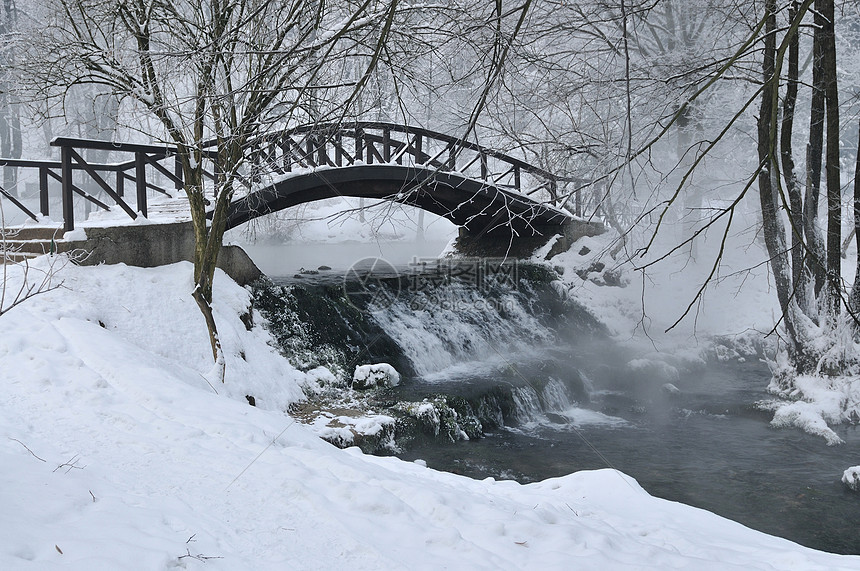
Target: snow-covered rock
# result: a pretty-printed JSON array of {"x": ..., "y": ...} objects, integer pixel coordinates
[
  {"x": 372, "y": 376},
  {"x": 652, "y": 370},
  {"x": 851, "y": 478}
]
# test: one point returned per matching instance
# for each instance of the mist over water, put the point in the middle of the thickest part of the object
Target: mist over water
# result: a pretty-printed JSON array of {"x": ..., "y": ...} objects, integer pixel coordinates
[
  {"x": 707, "y": 445},
  {"x": 289, "y": 258}
]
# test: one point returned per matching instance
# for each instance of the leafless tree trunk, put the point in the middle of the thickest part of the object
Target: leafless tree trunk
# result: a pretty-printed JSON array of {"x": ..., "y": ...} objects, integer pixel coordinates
[
  {"x": 855, "y": 290},
  {"x": 774, "y": 233},
  {"x": 834, "y": 187},
  {"x": 799, "y": 273},
  {"x": 814, "y": 154}
]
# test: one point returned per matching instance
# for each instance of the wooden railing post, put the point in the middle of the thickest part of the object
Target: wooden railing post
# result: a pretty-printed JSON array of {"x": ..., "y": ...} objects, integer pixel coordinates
[
  {"x": 400, "y": 151},
  {"x": 419, "y": 143},
  {"x": 120, "y": 183},
  {"x": 271, "y": 154},
  {"x": 484, "y": 169},
  {"x": 322, "y": 156},
  {"x": 386, "y": 145},
  {"x": 452, "y": 157},
  {"x": 359, "y": 143},
  {"x": 287, "y": 149},
  {"x": 517, "y": 177},
  {"x": 44, "y": 202},
  {"x": 66, "y": 176},
  {"x": 177, "y": 171},
  {"x": 140, "y": 182},
  {"x": 309, "y": 150},
  {"x": 338, "y": 149}
]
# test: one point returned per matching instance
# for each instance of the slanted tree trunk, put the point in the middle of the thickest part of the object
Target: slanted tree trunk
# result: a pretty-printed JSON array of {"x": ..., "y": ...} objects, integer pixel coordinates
[
  {"x": 799, "y": 272},
  {"x": 774, "y": 233},
  {"x": 10, "y": 137},
  {"x": 205, "y": 261},
  {"x": 207, "y": 242},
  {"x": 10, "y": 118}
]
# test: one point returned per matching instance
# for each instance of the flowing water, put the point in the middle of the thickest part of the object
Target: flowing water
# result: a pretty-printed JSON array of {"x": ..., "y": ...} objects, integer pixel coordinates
[
  {"x": 553, "y": 395},
  {"x": 707, "y": 447}
]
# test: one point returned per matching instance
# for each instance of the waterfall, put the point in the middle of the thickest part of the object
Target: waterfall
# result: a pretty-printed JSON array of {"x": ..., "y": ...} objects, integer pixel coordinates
[
  {"x": 458, "y": 325},
  {"x": 556, "y": 396},
  {"x": 479, "y": 357},
  {"x": 527, "y": 405}
]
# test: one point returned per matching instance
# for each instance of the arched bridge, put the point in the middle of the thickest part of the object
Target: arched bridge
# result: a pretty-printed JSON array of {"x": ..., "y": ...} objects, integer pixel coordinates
[
  {"x": 480, "y": 189},
  {"x": 474, "y": 187}
]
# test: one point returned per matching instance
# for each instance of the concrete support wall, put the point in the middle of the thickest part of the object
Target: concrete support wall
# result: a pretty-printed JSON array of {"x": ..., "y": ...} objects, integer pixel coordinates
[
  {"x": 498, "y": 244},
  {"x": 150, "y": 245}
]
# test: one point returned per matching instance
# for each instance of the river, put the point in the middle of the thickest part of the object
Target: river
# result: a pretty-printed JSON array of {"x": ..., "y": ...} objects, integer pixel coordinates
[
  {"x": 707, "y": 446},
  {"x": 554, "y": 395}
]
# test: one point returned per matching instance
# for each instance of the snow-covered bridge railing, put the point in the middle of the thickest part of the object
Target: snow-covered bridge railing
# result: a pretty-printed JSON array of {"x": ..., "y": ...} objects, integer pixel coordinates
[
  {"x": 469, "y": 184},
  {"x": 339, "y": 145},
  {"x": 100, "y": 185}
]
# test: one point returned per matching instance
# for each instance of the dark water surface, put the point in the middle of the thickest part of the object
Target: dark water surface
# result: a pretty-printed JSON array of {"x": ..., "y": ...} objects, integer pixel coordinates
[{"x": 707, "y": 447}]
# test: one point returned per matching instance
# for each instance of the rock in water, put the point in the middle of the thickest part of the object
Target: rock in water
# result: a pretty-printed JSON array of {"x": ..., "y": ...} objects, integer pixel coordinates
[
  {"x": 851, "y": 478},
  {"x": 372, "y": 376}
]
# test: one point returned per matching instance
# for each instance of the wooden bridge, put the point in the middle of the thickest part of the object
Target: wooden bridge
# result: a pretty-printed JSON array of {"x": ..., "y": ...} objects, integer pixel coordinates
[{"x": 482, "y": 190}]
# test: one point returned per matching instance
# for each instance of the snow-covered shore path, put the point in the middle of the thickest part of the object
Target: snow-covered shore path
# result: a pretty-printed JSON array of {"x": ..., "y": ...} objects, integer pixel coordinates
[{"x": 116, "y": 453}]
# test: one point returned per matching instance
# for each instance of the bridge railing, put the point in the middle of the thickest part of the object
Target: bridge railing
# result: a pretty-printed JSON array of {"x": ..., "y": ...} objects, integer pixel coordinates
[
  {"x": 153, "y": 169},
  {"x": 338, "y": 145},
  {"x": 103, "y": 186}
]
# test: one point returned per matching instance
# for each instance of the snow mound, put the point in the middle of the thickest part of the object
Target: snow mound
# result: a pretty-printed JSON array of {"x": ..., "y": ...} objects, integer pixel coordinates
[
  {"x": 851, "y": 478},
  {"x": 372, "y": 376},
  {"x": 814, "y": 402}
]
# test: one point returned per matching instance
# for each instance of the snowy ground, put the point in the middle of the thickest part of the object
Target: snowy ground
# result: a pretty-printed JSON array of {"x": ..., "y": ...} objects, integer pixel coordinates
[{"x": 118, "y": 454}]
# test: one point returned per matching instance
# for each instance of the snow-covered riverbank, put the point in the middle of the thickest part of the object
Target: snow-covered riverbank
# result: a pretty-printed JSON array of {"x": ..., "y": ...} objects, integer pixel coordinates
[{"x": 118, "y": 454}]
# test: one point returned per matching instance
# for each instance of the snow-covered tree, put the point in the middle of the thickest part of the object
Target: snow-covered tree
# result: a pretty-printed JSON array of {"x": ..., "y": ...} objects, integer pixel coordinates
[{"x": 214, "y": 75}]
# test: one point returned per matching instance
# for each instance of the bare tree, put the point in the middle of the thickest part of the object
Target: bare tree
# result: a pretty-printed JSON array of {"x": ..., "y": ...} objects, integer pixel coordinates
[
  {"x": 216, "y": 75},
  {"x": 677, "y": 55},
  {"x": 798, "y": 257}
]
